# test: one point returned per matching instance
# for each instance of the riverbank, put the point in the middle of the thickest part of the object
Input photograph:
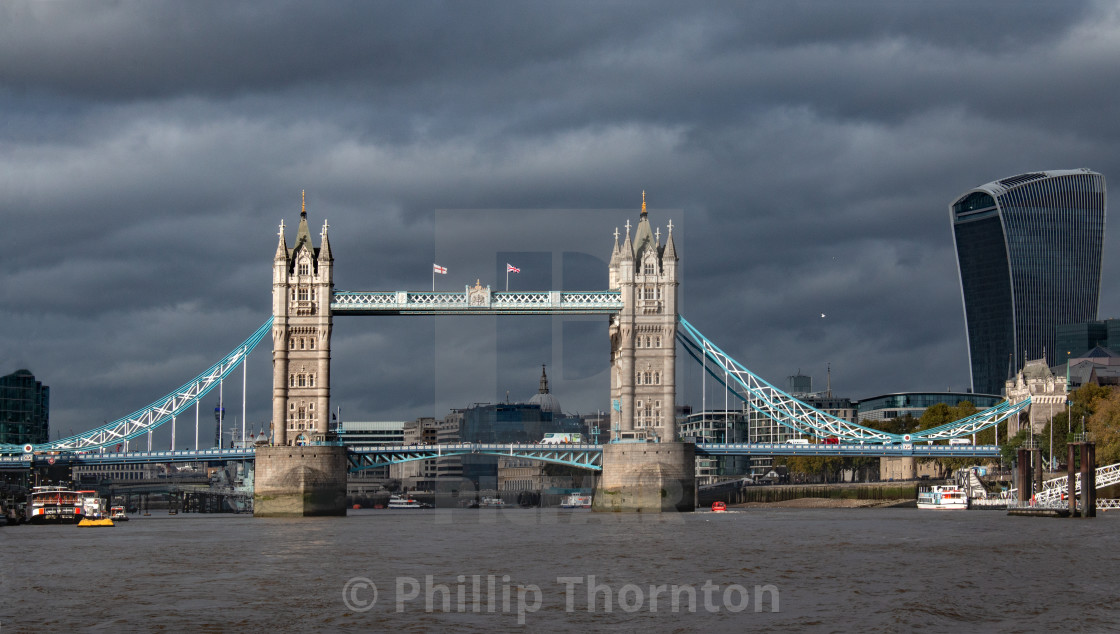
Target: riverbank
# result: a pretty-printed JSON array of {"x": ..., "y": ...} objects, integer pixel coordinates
[
  {"x": 829, "y": 503},
  {"x": 845, "y": 493}
]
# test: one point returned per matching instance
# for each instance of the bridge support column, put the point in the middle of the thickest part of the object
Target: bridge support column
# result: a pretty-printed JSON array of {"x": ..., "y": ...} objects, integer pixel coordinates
[
  {"x": 1089, "y": 479},
  {"x": 1023, "y": 474},
  {"x": 647, "y": 478},
  {"x": 1071, "y": 479},
  {"x": 300, "y": 481}
]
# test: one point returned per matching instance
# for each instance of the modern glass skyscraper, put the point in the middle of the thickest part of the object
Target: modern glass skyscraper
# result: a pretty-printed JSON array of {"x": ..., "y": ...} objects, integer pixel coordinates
[{"x": 1029, "y": 257}]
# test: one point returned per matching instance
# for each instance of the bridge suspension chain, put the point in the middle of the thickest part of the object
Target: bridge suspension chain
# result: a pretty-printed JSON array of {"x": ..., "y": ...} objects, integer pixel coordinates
[
  {"x": 805, "y": 419},
  {"x": 159, "y": 412}
]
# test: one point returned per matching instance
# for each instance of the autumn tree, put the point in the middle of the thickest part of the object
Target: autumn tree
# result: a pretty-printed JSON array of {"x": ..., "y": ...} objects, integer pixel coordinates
[{"x": 1104, "y": 427}]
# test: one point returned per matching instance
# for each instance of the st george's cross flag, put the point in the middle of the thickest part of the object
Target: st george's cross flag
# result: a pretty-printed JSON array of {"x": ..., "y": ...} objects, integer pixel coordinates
[{"x": 442, "y": 270}]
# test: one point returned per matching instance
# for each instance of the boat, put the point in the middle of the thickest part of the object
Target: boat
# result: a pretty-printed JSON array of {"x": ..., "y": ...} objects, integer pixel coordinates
[
  {"x": 406, "y": 502},
  {"x": 117, "y": 514},
  {"x": 90, "y": 522},
  {"x": 491, "y": 503},
  {"x": 576, "y": 501},
  {"x": 91, "y": 505},
  {"x": 54, "y": 505},
  {"x": 943, "y": 497},
  {"x": 719, "y": 507}
]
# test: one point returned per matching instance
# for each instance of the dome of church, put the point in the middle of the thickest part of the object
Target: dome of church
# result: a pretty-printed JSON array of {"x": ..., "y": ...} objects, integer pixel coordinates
[{"x": 548, "y": 402}]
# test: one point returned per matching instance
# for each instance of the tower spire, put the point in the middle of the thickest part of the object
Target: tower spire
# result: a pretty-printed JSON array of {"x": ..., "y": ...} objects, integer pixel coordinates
[
  {"x": 644, "y": 202},
  {"x": 303, "y": 203},
  {"x": 544, "y": 381}
]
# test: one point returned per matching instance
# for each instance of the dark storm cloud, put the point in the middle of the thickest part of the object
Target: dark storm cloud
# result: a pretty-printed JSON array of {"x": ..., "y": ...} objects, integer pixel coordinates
[{"x": 149, "y": 150}]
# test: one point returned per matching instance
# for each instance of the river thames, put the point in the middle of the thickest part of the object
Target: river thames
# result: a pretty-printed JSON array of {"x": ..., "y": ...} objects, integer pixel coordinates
[{"x": 483, "y": 570}]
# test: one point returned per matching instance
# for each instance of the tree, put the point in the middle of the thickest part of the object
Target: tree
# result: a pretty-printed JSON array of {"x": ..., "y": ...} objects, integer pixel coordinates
[
  {"x": 1104, "y": 426},
  {"x": 942, "y": 414},
  {"x": 1083, "y": 402}
]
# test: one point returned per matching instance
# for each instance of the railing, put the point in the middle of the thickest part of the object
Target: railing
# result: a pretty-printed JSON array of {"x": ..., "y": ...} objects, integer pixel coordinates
[{"x": 481, "y": 302}]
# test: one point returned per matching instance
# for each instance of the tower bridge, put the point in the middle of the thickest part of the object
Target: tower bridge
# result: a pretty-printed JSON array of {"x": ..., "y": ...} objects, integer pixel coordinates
[{"x": 304, "y": 472}]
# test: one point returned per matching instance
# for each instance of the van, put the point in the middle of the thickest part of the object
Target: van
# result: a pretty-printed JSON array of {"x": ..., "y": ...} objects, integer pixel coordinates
[
  {"x": 959, "y": 441},
  {"x": 561, "y": 439},
  {"x": 798, "y": 441}
]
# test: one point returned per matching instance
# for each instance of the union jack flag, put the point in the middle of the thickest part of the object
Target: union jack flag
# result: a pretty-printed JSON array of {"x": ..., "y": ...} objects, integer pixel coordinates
[{"x": 511, "y": 268}]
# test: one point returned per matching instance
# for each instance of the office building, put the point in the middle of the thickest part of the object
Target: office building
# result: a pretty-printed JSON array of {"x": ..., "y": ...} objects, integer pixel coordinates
[
  {"x": 888, "y": 406},
  {"x": 1029, "y": 258},
  {"x": 24, "y": 409}
]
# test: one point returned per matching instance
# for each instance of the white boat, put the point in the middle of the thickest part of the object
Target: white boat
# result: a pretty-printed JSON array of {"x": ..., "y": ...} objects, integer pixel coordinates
[
  {"x": 491, "y": 503},
  {"x": 576, "y": 501},
  {"x": 406, "y": 502},
  {"x": 946, "y": 497},
  {"x": 54, "y": 505}
]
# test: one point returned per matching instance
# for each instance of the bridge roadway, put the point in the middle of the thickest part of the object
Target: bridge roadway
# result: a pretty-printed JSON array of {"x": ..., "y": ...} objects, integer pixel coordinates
[{"x": 586, "y": 456}]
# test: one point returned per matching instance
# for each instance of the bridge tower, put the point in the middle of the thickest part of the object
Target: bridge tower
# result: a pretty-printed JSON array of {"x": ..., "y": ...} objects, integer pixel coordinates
[
  {"x": 303, "y": 473},
  {"x": 639, "y": 476},
  {"x": 302, "y": 287},
  {"x": 643, "y": 334}
]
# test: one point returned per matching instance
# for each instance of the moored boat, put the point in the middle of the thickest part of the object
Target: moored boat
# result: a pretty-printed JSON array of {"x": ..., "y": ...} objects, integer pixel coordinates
[
  {"x": 406, "y": 502},
  {"x": 576, "y": 501},
  {"x": 943, "y": 497},
  {"x": 117, "y": 514},
  {"x": 92, "y": 507},
  {"x": 719, "y": 507},
  {"x": 54, "y": 505},
  {"x": 491, "y": 503}
]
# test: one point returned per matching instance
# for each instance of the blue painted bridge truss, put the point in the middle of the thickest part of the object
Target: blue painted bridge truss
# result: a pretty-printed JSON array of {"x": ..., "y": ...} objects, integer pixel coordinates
[
  {"x": 585, "y": 456},
  {"x": 745, "y": 385}
]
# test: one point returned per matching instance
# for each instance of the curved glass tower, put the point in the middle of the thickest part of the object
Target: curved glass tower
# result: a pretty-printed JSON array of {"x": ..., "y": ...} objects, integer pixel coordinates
[{"x": 1029, "y": 256}]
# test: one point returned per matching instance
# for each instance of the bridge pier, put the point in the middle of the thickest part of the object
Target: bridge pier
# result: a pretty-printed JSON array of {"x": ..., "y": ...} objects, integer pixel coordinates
[
  {"x": 647, "y": 478},
  {"x": 300, "y": 481}
]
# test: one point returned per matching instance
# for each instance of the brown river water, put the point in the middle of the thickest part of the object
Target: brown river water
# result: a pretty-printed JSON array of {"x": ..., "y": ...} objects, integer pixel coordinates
[{"x": 484, "y": 570}]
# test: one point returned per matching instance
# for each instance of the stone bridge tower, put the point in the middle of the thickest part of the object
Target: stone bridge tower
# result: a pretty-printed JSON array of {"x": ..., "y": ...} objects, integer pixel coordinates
[
  {"x": 643, "y": 334},
  {"x": 302, "y": 288}
]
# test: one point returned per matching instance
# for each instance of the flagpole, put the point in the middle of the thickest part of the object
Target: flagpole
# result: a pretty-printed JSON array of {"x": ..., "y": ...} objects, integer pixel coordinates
[
  {"x": 507, "y": 278},
  {"x": 433, "y": 278}
]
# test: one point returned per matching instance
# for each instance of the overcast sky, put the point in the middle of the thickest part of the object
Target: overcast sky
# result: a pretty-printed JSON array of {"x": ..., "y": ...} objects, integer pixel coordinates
[{"x": 807, "y": 151}]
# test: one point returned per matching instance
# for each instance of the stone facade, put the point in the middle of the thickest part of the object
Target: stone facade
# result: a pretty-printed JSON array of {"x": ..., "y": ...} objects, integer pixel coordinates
[
  {"x": 300, "y": 481},
  {"x": 1046, "y": 391},
  {"x": 643, "y": 335},
  {"x": 645, "y": 477},
  {"x": 302, "y": 288}
]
